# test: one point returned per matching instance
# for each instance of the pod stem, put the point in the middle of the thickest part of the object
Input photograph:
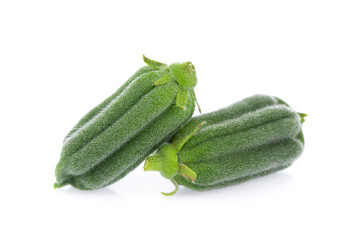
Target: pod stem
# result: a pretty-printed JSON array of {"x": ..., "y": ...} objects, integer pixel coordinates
[
  {"x": 186, "y": 79},
  {"x": 175, "y": 190},
  {"x": 166, "y": 161}
]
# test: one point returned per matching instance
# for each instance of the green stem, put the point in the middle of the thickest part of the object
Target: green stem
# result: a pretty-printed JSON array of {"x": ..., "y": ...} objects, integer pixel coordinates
[{"x": 175, "y": 190}]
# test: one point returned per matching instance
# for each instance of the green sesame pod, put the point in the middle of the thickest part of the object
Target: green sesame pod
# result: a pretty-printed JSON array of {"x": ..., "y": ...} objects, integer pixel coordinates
[
  {"x": 140, "y": 115},
  {"x": 253, "y": 137}
]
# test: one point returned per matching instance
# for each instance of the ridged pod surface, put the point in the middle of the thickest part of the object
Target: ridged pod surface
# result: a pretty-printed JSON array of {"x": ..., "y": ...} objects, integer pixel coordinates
[
  {"x": 118, "y": 134},
  {"x": 253, "y": 137}
]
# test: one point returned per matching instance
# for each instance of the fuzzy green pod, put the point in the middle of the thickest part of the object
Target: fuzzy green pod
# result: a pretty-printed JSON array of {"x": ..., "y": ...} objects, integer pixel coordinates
[
  {"x": 118, "y": 134},
  {"x": 253, "y": 137}
]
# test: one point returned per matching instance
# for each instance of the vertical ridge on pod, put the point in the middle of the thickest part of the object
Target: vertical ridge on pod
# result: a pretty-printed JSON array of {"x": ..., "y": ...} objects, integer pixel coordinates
[
  {"x": 121, "y": 131},
  {"x": 112, "y": 112},
  {"x": 237, "y": 109},
  {"x": 103, "y": 104},
  {"x": 128, "y": 157}
]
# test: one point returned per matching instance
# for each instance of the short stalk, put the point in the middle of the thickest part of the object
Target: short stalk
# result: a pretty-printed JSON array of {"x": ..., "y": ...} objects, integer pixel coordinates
[
  {"x": 175, "y": 190},
  {"x": 166, "y": 161}
]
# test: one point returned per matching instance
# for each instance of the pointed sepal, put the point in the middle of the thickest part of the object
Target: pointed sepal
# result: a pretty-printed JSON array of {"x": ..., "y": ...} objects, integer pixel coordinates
[
  {"x": 302, "y": 115},
  {"x": 153, "y": 163},
  {"x": 154, "y": 64},
  {"x": 185, "y": 171},
  {"x": 163, "y": 80},
  {"x": 195, "y": 99},
  {"x": 182, "y": 97},
  {"x": 179, "y": 143}
]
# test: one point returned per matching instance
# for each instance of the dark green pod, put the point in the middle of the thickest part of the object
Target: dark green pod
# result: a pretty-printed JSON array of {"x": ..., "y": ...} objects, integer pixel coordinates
[
  {"x": 118, "y": 134},
  {"x": 253, "y": 137}
]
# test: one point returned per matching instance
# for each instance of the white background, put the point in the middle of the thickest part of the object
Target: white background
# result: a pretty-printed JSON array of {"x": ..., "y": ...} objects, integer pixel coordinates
[{"x": 58, "y": 59}]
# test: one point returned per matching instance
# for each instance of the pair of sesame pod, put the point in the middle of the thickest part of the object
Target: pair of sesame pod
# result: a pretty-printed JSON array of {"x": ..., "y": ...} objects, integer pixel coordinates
[{"x": 253, "y": 137}]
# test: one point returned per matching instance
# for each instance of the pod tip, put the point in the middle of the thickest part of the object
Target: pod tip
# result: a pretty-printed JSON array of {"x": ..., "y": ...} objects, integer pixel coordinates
[{"x": 58, "y": 185}]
